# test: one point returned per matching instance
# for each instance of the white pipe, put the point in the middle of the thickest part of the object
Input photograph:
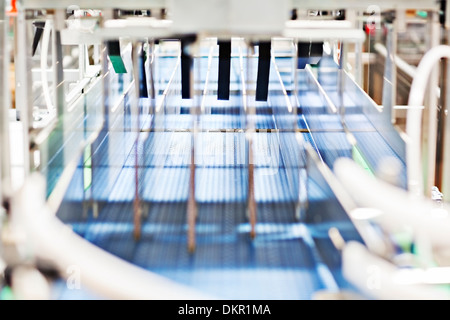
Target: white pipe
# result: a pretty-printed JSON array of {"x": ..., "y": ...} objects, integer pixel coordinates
[
  {"x": 414, "y": 116},
  {"x": 397, "y": 207},
  {"x": 432, "y": 102},
  {"x": 380, "y": 279},
  {"x": 410, "y": 70},
  {"x": 103, "y": 273},
  {"x": 44, "y": 55}
]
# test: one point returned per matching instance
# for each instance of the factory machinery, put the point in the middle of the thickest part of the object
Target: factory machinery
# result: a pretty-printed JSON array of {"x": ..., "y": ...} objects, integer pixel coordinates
[{"x": 174, "y": 149}]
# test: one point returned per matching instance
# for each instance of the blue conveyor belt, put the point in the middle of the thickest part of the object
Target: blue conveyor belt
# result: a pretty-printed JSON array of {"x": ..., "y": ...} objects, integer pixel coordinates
[{"x": 288, "y": 259}]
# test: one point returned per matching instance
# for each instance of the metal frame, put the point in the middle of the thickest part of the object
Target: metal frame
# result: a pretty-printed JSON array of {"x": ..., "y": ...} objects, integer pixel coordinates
[
  {"x": 302, "y": 4},
  {"x": 112, "y": 4},
  {"x": 364, "y": 4},
  {"x": 4, "y": 102}
]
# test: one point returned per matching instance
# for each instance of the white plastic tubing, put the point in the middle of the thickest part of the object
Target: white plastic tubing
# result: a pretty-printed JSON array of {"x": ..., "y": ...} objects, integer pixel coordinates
[
  {"x": 374, "y": 275},
  {"x": 397, "y": 207},
  {"x": 99, "y": 271},
  {"x": 380, "y": 279},
  {"x": 414, "y": 116}
]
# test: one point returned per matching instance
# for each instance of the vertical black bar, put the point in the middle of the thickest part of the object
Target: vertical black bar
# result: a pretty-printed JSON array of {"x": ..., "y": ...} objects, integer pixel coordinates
[
  {"x": 304, "y": 49},
  {"x": 143, "y": 89},
  {"x": 113, "y": 48},
  {"x": 223, "y": 88},
  {"x": 38, "y": 35},
  {"x": 316, "y": 49},
  {"x": 262, "y": 82},
  {"x": 303, "y": 54},
  {"x": 186, "y": 72},
  {"x": 316, "y": 52}
]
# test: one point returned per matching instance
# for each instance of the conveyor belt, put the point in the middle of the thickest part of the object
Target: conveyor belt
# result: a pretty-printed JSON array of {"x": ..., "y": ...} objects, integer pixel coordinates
[{"x": 288, "y": 259}]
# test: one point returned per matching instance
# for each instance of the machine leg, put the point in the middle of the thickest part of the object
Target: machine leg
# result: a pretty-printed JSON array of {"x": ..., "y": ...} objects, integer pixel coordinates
[
  {"x": 251, "y": 206},
  {"x": 192, "y": 207}
]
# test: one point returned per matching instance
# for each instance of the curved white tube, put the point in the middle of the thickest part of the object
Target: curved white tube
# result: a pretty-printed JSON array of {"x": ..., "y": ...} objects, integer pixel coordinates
[
  {"x": 44, "y": 55},
  {"x": 414, "y": 116},
  {"x": 101, "y": 272},
  {"x": 398, "y": 207},
  {"x": 380, "y": 279}
]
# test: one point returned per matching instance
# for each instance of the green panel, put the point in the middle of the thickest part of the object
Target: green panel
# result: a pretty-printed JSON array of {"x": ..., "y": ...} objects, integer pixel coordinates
[
  {"x": 118, "y": 65},
  {"x": 359, "y": 159},
  {"x": 6, "y": 294}
]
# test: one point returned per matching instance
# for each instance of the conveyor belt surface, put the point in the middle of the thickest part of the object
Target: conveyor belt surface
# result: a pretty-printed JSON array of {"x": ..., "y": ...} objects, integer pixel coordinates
[{"x": 288, "y": 259}]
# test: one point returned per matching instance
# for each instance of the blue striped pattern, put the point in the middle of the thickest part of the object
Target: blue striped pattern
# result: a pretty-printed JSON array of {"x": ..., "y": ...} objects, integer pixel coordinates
[{"x": 289, "y": 259}]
